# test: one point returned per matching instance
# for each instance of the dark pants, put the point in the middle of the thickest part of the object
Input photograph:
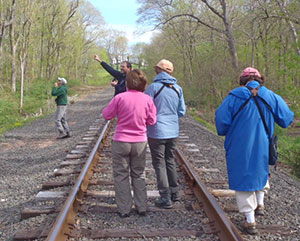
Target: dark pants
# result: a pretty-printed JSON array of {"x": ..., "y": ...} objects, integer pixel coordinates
[{"x": 163, "y": 161}]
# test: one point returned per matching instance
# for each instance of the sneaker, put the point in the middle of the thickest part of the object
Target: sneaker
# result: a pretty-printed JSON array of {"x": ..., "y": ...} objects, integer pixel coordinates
[
  {"x": 175, "y": 197},
  {"x": 260, "y": 210},
  {"x": 250, "y": 228},
  {"x": 163, "y": 203}
]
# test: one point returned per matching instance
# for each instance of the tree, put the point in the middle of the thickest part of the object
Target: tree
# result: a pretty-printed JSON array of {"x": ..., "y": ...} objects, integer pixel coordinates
[
  {"x": 162, "y": 12},
  {"x": 26, "y": 23},
  {"x": 115, "y": 43},
  {"x": 6, "y": 18},
  {"x": 282, "y": 6},
  {"x": 13, "y": 46},
  {"x": 138, "y": 56}
]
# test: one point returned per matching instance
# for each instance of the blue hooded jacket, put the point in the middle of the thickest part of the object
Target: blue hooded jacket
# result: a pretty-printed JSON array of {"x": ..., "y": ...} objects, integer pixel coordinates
[
  {"x": 169, "y": 106},
  {"x": 246, "y": 142}
]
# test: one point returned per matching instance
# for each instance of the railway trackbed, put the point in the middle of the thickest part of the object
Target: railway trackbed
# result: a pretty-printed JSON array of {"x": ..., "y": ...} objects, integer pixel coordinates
[{"x": 79, "y": 201}]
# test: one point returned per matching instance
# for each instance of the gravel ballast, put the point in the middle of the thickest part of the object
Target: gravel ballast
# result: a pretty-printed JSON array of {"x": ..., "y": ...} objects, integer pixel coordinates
[{"x": 30, "y": 154}]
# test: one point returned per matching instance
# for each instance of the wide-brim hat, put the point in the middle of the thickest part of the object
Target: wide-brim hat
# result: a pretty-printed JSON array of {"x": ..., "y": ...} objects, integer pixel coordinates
[{"x": 165, "y": 65}]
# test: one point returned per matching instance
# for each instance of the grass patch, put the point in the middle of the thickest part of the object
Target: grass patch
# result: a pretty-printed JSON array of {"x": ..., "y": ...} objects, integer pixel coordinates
[
  {"x": 9, "y": 114},
  {"x": 289, "y": 152},
  {"x": 38, "y": 101},
  {"x": 199, "y": 118},
  {"x": 103, "y": 78}
]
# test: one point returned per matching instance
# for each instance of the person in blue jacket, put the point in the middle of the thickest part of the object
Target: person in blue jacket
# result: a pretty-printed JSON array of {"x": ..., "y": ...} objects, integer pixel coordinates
[
  {"x": 119, "y": 82},
  {"x": 247, "y": 142},
  {"x": 169, "y": 101}
]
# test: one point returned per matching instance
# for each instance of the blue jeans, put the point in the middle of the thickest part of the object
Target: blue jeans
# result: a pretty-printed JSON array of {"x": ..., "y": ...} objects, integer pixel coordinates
[{"x": 163, "y": 161}]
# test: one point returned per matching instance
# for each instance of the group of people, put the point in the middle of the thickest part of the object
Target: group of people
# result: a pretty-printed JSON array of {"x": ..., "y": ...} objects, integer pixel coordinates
[
  {"x": 144, "y": 115},
  {"x": 151, "y": 115}
]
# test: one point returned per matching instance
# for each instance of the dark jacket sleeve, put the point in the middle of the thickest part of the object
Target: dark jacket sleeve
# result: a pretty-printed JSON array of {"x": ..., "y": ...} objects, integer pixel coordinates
[{"x": 115, "y": 73}]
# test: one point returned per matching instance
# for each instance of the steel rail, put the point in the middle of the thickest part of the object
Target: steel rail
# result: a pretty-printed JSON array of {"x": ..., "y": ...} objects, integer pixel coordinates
[
  {"x": 66, "y": 217},
  {"x": 225, "y": 228}
]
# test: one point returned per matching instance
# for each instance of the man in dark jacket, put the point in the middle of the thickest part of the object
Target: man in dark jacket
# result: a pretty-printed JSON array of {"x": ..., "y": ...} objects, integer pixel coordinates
[
  {"x": 120, "y": 76},
  {"x": 60, "y": 90}
]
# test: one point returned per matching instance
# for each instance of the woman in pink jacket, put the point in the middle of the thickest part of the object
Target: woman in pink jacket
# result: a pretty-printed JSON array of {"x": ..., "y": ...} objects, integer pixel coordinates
[{"x": 135, "y": 110}]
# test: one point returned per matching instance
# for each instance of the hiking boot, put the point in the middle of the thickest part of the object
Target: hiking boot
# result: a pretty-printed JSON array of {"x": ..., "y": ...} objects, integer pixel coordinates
[
  {"x": 250, "y": 228},
  {"x": 260, "y": 210},
  {"x": 175, "y": 197},
  {"x": 61, "y": 135},
  {"x": 142, "y": 213},
  {"x": 123, "y": 215},
  {"x": 163, "y": 203}
]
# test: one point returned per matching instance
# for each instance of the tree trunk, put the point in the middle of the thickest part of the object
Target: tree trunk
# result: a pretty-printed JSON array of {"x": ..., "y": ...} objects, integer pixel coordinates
[
  {"x": 22, "y": 84},
  {"x": 282, "y": 6},
  {"x": 230, "y": 37},
  {"x": 3, "y": 25},
  {"x": 13, "y": 49}
]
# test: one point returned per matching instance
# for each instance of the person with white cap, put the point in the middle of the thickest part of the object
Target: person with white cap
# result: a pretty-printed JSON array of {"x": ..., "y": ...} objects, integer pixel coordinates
[
  {"x": 169, "y": 101},
  {"x": 239, "y": 119},
  {"x": 60, "y": 90}
]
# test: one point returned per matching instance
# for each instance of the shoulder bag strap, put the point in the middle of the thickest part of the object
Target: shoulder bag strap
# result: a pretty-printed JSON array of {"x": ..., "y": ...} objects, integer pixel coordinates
[
  {"x": 242, "y": 107},
  {"x": 266, "y": 103},
  {"x": 262, "y": 116},
  {"x": 168, "y": 85},
  {"x": 158, "y": 92}
]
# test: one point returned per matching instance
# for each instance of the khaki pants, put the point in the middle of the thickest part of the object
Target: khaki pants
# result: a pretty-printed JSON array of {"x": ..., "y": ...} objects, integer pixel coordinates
[
  {"x": 129, "y": 160},
  {"x": 246, "y": 201},
  {"x": 61, "y": 119}
]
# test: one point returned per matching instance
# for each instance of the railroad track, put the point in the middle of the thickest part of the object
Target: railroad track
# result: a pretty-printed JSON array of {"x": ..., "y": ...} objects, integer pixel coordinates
[{"x": 89, "y": 212}]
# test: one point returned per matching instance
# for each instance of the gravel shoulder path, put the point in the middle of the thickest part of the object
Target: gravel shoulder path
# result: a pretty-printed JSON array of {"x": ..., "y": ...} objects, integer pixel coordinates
[
  {"x": 282, "y": 202},
  {"x": 29, "y": 154}
]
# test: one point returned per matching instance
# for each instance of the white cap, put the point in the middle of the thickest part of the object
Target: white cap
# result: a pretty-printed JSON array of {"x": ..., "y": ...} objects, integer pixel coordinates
[{"x": 63, "y": 80}]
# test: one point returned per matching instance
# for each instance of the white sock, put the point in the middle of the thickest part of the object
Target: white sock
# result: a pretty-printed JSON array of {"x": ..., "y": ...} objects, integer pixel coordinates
[
  {"x": 250, "y": 217},
  {"x": 260, "y": 197}
]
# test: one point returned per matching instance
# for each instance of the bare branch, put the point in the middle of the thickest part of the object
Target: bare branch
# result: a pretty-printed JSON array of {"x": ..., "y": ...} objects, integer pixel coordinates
[
  {"x": 213, "y": 9},
  {"x": 72, "y": 11},
  {"x": 194, "y": 17}
]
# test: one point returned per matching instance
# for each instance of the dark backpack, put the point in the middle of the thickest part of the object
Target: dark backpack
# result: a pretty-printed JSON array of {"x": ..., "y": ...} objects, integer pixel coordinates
[
  {"x": 273, "y": 141},
  {"x": 169, "y": 86}
]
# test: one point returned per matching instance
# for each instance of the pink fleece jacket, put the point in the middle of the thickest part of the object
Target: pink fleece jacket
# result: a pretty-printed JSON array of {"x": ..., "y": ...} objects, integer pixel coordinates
[{"x": 135, "y": 110}]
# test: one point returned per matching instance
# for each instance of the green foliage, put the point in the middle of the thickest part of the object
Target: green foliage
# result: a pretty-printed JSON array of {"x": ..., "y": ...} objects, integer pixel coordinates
[
  {"x": 289, "y": 152},
  {"x": 102, "y": 78},
  {"x": 37, "y": 103},
  {"x": 196, "y": 115},
  {"x": 8, "y": 111}
]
